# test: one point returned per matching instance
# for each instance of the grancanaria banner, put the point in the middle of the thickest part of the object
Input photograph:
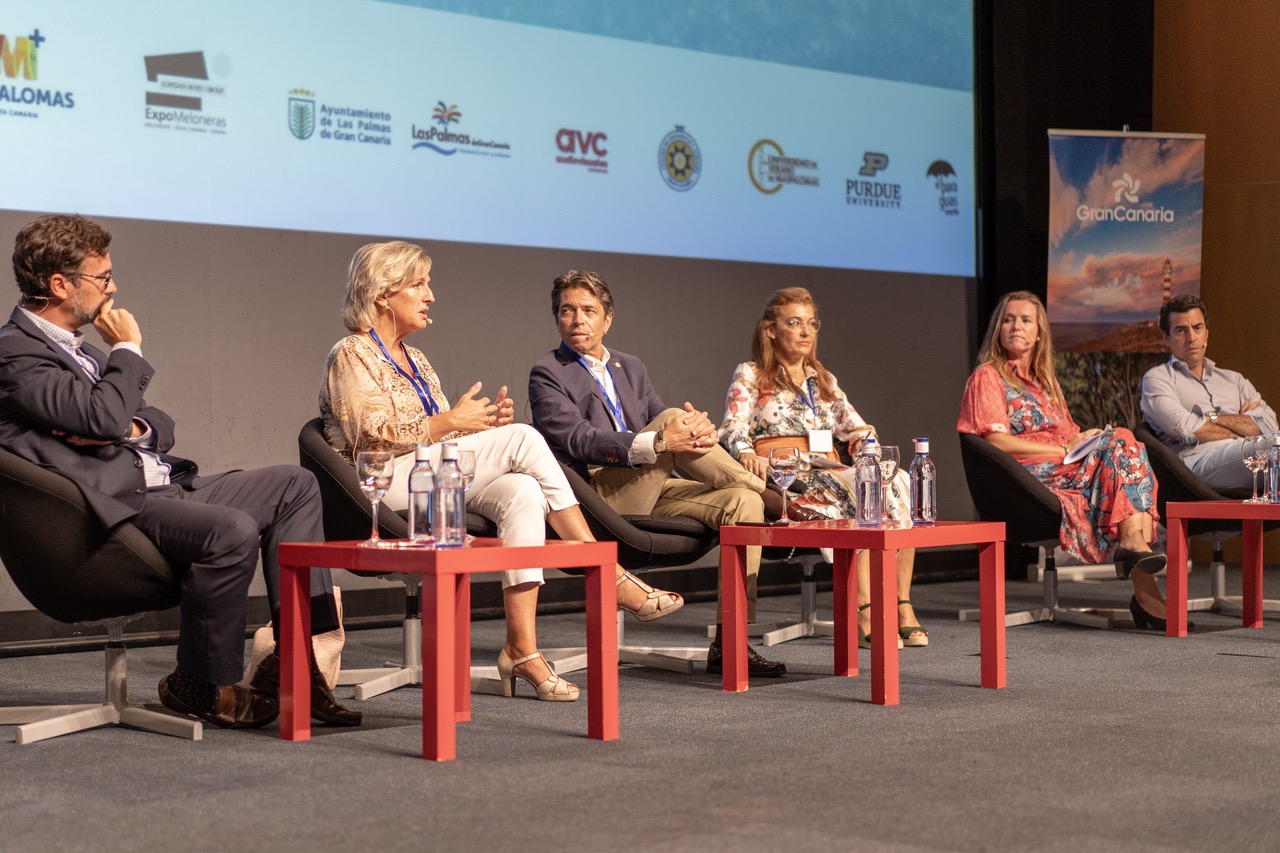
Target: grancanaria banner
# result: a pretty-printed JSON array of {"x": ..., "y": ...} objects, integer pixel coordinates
[{"x": 1125, "y": 219}]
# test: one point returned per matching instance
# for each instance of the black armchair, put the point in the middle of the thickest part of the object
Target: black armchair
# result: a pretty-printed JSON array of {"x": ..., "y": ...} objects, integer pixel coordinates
[
  {"x": 1177, "y": 483},
  {"x": 73, "y": 570},
  {"x": 1003, "y": 490}
]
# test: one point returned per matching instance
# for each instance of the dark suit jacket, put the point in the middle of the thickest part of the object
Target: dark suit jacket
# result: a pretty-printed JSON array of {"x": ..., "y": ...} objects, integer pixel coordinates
[
  {"x": 42, "y": 389},
  {"x": 569, "y": 408}
]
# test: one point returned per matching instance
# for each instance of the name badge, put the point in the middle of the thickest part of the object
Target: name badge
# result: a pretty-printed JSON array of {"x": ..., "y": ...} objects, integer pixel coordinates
[{"x": 820, "y": 441}]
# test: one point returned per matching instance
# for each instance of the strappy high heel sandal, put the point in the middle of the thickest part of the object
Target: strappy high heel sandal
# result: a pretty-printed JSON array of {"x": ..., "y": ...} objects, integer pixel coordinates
[
  {"x": 864, "y": 640},
  {"x": 905, "y": 632},
  {"x": 659, "y": 603},
  {"x": 554, "y": 689}
]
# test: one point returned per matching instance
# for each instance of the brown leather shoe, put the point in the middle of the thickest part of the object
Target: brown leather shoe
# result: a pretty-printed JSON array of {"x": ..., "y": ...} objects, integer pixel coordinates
[
  {"x": 236, "y": 707},
  {"x": 324, "y": 707},
  {"x": 795, "y": 512}
]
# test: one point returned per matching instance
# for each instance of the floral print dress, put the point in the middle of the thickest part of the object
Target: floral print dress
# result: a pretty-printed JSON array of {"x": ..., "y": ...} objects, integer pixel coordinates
[
  {"x": 751, "y": 414},
  {"x": 1111, "y": 483}
]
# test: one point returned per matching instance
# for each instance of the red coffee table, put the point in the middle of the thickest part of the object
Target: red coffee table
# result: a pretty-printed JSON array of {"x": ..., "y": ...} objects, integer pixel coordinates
[
  {"x": 1177, "y": 514},
  {"x": 883, "y": 543},
  {"x": 446, "y": 625}
]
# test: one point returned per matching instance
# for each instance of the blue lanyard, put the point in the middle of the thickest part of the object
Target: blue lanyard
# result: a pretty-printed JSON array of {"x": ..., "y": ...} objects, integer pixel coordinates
[
  {"x": 419, "y": 384},
  {"x": 812, "y": 400},
  {"x": 615, "y": 406}
]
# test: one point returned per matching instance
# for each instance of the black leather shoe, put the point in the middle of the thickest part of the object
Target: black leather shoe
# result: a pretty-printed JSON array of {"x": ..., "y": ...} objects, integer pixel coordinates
[
  {"x": 1144, "y": 620},
  {"x": 757, "y": 666},
  {"x": 795, "y": 512},
  {"x": 324, "y": 707},
  {"x": 235, "y": 707},
  {"x": 772, "y": 497},
  {"x": 1150, "y": 562}
]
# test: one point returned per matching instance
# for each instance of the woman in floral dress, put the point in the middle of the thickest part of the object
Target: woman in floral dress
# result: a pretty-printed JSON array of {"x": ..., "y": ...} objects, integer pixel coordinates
[
  {"x": 1109, "y": 496},
  {"x": 785, "y": 397}
]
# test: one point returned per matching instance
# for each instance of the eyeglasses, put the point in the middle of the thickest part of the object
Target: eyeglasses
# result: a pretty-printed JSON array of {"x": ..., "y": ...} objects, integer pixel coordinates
[
  {"x": 795, "y": 322},
  {"x": 103, "y": 279}
]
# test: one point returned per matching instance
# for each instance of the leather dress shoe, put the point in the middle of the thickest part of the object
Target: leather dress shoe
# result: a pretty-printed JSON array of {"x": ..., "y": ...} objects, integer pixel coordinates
[
  {"x": 772, "y": 497},
  {"x": 1150, "y": 562},
  {"x": 324, "y": 707},
  {"x": 757, "y": 666},
  {"x": 803, "y": 513},
  {"x": 235, "y": 707}
]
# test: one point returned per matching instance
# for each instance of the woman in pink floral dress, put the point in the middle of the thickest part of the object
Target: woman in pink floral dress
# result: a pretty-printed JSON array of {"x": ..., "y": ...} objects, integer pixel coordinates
[
  {"x": 1109, "y": 496},
  {"x": 785, "y": 396}
]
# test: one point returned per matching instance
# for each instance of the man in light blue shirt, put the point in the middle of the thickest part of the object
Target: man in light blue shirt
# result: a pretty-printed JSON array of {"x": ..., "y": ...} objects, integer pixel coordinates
[{"x": 1203, "y": 411}]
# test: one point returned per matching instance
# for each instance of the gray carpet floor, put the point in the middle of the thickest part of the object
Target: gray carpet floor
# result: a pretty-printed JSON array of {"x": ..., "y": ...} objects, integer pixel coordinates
[{"x": 1115, "y": 740}]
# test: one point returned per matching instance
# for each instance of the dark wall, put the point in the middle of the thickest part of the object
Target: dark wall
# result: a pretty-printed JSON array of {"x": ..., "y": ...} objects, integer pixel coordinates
[{"x": 1070, "y": 64}]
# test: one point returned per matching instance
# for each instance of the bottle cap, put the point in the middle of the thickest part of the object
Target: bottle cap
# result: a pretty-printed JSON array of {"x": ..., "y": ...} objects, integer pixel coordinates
[
  {"x": 922, "y": 445},
  {"x": 422, "y": 453},
  {"x": 449, "y": 450},
  {"x": 868, "y": 445}
]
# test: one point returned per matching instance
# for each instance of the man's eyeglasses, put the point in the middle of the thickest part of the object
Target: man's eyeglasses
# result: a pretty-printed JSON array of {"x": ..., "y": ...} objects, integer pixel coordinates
[
  {"x": 103, "y": 279},
  {"x": 795, "y": 322}
]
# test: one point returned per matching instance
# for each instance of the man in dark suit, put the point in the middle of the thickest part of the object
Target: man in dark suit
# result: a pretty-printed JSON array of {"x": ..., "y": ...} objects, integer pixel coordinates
[
  {"x": 75, "y": 410},
  {"x": 601, "y": 416}
]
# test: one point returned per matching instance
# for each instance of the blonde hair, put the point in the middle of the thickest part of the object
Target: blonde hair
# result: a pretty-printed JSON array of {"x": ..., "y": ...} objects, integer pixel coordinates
[
  {"x": 992, "y": 351},
  {"x": 772, "y": 374},
  {"x": 377, "y": 270}
]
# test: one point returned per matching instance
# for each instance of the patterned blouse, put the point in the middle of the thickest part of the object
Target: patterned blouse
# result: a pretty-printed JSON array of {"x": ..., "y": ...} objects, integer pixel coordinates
[
  {"x": 365, "y": 402},
  {"x": 751, "y": 414},
  {"x": 992, "y": 405}
]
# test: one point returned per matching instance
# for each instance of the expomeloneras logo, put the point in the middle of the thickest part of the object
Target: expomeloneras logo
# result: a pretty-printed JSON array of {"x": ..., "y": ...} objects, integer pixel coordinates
[
  {"x": 679, "y": 160},
  {"x": 336, "y": 123},
  {"x": 179, "y": 93},
  {"x": 439, "y": 138},
  {"x": 19, "y": 61},
  {"x": 861, "y": 192},
  {"x": 770, "y": 169},
  {"x": 944, "y": 181},
  {"x": 1126, "y": 187}
]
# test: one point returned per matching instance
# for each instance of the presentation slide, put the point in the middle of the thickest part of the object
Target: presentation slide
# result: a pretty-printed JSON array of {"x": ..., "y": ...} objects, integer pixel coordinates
[{"x": 793, "y": 133}]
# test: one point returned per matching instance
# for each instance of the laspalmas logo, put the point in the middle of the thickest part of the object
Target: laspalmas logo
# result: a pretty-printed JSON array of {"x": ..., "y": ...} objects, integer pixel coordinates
[
  {"x": 336, "y": 123},
  {"x": 439, "y": 138}
]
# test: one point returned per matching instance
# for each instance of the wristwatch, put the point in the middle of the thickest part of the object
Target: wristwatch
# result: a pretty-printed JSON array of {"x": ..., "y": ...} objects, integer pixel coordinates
[
  {"x": 1213, "y": 416},
  {"x": 659, "y": 443}
]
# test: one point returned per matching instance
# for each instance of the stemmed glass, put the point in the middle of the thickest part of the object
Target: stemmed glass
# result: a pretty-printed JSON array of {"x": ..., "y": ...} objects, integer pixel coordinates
[
  {"x": 467, "y": 466},
  {"x": 375, "y": 470},
  {"x": 1254, "y": 453},
  {"x": 890, "y": 459},
  {"x": 784, "y": 465}
]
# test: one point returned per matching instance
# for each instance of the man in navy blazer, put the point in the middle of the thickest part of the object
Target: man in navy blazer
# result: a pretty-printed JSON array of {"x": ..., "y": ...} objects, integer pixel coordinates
[
  {"x": 70, "y": 408},
  {"x": 601, "y": 416}
]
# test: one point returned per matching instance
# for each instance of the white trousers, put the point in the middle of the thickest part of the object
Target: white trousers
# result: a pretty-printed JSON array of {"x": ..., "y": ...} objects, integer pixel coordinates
[{"x": 517, "y": 482}]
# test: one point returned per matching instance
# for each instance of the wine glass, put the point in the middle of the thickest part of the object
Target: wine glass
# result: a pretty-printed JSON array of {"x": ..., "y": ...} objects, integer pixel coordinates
[
  {"x": 784, "y": 465},
  {"x": 467, "y": 466},
  {"x": 890, "y": 457},
  {"x": 375, "y": 470},
  {"x": 1254, "y": 453}
]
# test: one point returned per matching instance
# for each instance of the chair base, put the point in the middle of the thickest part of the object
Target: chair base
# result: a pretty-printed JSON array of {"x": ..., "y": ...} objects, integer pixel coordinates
[
  {"x": 808, "y": 625},
  {"x": 41, "y": 722},
  {"x": 1088, "y": 617}
]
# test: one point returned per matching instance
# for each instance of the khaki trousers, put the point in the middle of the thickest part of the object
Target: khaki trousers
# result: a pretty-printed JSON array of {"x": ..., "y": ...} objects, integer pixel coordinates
[{"x": 720, "y": 491}]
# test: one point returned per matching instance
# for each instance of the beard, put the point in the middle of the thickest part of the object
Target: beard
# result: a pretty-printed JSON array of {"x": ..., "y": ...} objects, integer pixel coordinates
[{"x": 84, "y": 317}]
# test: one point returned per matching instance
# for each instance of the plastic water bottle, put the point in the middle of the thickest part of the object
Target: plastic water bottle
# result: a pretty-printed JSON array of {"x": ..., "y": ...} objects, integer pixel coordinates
[
  {"x": 422, "y": 486},
  {"x": 449, "y": 523},
  {"x": 924, "y": 487},
  {"x": 868, "y": 490},
  {"x": 1273, "y": 470}
]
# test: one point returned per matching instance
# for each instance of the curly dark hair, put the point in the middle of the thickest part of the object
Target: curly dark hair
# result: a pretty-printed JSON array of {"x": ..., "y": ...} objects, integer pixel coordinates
[
  {"x": 51, "y": 244},
  {"x": 1181, "y": 304}
]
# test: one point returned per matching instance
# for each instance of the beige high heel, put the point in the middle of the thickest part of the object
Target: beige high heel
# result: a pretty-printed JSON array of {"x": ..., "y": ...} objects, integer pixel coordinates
[
  {"x": 554, "y": 689},
  {"x": 658, "y": 604}
]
